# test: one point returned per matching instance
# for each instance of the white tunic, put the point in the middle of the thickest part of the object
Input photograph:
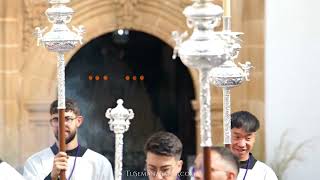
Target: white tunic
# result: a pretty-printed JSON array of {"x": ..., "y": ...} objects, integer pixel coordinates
[
  {"x": 89, "y": 166},
  {"x": 257, "y": 171},
  {"x": 9, "y": 173}
]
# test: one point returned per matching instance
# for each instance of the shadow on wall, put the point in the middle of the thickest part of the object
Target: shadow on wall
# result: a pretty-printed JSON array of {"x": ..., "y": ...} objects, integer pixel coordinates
[{"x": 287, "y": 153}]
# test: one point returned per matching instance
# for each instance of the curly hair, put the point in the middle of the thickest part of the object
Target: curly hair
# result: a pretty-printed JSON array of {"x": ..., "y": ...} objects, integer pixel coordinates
[{"x": 164, "y": 144}]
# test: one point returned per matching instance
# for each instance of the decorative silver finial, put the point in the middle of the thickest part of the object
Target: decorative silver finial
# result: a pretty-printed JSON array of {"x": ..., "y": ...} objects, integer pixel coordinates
[
  {"x": 119, "y": 123},
  {"x": 59, "y": 39}
]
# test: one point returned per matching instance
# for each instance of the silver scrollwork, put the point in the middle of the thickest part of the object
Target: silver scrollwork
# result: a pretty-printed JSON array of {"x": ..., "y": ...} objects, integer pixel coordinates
[
  {"x": 205, "y": 109},
  {"x": 61, "y": 82},
  {"x": 119, "y": 123},
  {"x": 59, "y": 39},
  {"x": 227, "y": 116}
]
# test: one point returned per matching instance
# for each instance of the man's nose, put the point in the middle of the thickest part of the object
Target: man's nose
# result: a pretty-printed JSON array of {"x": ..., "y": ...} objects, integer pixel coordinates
[
  {"x": 242, "y": 143},
  {"x": 198, "y": 175},
  {"x": 159, "y": 176}
]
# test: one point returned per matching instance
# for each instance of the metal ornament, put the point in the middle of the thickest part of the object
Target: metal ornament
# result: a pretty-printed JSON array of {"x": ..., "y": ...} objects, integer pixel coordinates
[
  {"x": 119, "y": 123},
  {"x": 60, "y": 40},
  {"x": 229, "y": 75},
  {"x": 203, "y": 50}
]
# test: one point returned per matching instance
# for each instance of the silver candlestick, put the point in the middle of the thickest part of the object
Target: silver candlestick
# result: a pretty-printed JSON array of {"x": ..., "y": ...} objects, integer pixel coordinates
[
  {"x": 119, "y": 123},
  {"x": 203, "y": 50},
  {"x": 228, "y": 74},
  {"x": 60, "y": 40}
]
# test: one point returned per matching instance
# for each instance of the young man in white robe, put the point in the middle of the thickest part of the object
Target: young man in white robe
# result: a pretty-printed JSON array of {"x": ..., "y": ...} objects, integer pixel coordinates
[
  {"x": 243, "y": 131},
  {"x": 78, "y": 162},
  {"x": 163, "y": 152}
]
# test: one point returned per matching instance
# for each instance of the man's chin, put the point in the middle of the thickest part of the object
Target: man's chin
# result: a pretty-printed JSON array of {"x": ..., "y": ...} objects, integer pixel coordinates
[{"x": 243, "y": 156}]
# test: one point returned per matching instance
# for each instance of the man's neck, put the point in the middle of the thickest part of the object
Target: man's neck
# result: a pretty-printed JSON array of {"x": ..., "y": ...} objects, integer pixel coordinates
[
  {"x": 71, "y": 145},
  {"x": 245, "y": 158}
]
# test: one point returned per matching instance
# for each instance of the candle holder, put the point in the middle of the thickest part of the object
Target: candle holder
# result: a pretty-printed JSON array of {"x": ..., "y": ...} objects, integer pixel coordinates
[
  {"x": 203, "y": 50},
  {"x": 60, "y": 39},
  {"x": 119, "y": 123}
]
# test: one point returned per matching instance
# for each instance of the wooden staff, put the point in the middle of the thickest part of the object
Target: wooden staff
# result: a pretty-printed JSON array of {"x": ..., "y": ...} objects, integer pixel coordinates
[
  {"x": 62, "y": 138},
  {"x": 61, "y": 106},
  {"x": 207, "y": 162}
]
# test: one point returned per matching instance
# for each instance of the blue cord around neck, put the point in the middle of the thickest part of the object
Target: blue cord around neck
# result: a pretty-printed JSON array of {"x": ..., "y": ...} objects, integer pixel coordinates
[
  {"x": 247, "y": 167},
  {"x": 74, "y": 163}
]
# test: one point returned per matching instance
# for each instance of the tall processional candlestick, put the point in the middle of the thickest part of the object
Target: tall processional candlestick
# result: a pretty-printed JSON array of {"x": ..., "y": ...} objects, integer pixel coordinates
[
  {"x": 229, "y": 75},
  {"x": 203, "y": 50},
  {"x": 119, "y": 123},
  {"x": 60, "y": 39},
  {"x": 211, "y": 53}
]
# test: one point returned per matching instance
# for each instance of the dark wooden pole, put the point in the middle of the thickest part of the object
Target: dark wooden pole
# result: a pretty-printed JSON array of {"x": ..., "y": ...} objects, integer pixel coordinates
[
  {"x": 207, "y": 162},
  {"x": 62, "y": 137}
]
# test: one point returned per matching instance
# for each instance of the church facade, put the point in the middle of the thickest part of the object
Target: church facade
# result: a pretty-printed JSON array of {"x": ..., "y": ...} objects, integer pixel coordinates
[{"x": 28, "y": 73}]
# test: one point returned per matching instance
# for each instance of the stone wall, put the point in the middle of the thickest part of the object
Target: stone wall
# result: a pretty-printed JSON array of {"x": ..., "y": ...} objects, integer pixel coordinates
[{"x": 28, "y": 72}]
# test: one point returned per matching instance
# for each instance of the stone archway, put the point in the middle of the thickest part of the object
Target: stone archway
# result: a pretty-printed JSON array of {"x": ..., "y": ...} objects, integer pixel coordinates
[{"x": 156, "y": 17}]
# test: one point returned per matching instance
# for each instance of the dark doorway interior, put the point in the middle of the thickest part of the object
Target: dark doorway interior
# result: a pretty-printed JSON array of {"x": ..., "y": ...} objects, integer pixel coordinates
[{"x": 160, "y": 95}]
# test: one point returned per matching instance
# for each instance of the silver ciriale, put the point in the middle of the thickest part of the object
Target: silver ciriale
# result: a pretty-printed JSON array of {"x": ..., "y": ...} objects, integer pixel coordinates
[
  {"x": 119, "y": 123},
  {"x": 59, "y": 39},
  {"x": 204, "y": 49},
  {"x": 229, "y": 75}
]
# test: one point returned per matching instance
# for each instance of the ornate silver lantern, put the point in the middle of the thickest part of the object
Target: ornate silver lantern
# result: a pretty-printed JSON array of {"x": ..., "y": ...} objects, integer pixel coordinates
[{"x": 119, "y": 123}]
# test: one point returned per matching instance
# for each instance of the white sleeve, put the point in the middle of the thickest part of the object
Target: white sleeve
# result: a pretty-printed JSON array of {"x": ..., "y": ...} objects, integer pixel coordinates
[
  {"x": 30, "y": 172},
  {"x": 106, "y": 171},
  {"x": 7, "y": 172},
  {"x": 270, "y": 175}
]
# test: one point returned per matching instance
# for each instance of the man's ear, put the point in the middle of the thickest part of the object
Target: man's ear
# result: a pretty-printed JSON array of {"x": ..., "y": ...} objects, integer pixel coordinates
[
  {"x": 80, "y": 120},
  {"x": 231, "y": 176},
  {"x": 180, "y": 163}
]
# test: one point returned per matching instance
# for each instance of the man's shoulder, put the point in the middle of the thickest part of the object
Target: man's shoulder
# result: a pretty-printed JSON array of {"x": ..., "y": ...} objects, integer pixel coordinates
[
  {"x": 262, "y": 165},
  {"x": 267, "y": 169},
  {"x": 45, "y": 153},
  {"x": 96, "y": 156}
]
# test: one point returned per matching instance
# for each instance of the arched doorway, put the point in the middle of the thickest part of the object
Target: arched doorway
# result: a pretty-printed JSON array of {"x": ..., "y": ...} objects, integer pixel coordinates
[{"x": 136, "y": 67}]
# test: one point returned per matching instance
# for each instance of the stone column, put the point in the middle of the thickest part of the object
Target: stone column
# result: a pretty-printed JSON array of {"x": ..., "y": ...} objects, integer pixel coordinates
[{"x": 10, "y": 79}]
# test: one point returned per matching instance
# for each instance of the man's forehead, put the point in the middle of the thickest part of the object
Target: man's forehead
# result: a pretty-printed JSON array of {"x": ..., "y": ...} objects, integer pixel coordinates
[
  {"x": 216, "y": 159},
  {"x": 67, "y": 113},
  {"x": 159, "y": 160},
  {"x": 241, "y": 131}
]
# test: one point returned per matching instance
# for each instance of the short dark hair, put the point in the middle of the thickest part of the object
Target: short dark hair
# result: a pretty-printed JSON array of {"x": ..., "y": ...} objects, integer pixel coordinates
[
  {"x": 165, "y": 144},
  {"x": 71, "y": 105},
  {"x": 244, "y": 120},
  {"x": 228, "y": 156},
  {"x": 0, "y": 160}
]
